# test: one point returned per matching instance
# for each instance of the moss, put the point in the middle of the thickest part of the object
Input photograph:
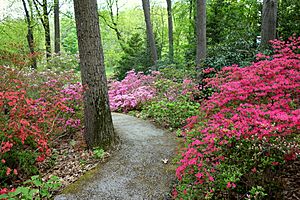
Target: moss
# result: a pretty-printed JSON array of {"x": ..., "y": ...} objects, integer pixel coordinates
[
  {"x": 171, "y": 168},
  {"x": 81, "y": 182}
]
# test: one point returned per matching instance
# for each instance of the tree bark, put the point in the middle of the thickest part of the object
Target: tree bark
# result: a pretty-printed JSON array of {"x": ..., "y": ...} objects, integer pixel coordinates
[
  {"x": 47, "y": 29},
  {"x": 99, "y": 131},
  {"x": 30, "y": 38},
  {"x": 269, "y": 20},
  {"x": 150, "y": 35},
  {"x": 201, "y": 32},
  {"x": 56, "y": 27},
  {"x": 170, "y": 31},
  {"x": 44, "y": 17}
]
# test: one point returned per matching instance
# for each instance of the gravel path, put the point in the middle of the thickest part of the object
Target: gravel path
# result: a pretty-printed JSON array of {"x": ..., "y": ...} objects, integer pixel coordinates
[{"x": 136, "y": 171}]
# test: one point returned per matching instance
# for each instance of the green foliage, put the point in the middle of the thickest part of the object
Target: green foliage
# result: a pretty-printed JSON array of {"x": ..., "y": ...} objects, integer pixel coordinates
[
  {"x": 177, "y": 74},
  {"x": 241, "y": 52},
  {"x": 257, "y": 193},
  {"x": 171, "y": 113},
  {"x": 61, "y": 63},
  {"x": 35, "y": 188},
  {"x": 26, "y": 161},
  {"x": 288, "y": 18},
  {"x": 68, "y": 35},
  {"x": 98, "y": 153},
  {"x": 229, "y": 21},
  {"x": 14, "y": 49},
  {"x": 135, "y": 57}
]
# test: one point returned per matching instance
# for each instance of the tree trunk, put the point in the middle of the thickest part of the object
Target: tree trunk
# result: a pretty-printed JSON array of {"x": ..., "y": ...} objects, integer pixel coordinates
[
  {"x": 47, "y": 29},
  {"x": 150, "y": 35},
  {"x": 269, "y": 20},
  {"x": 170, "y": 31},
  {"x": 30, "y": 38},
  {"x": 192, "y": 17},
  {"x": 201, "y": 32},
  {"x": 99, "y": 131},
  {"x": 56, "y": 27},
  {"x": 44, "y": 17}
]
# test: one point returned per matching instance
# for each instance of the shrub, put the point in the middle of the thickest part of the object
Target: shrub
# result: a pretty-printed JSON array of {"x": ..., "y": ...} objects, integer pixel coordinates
[
  {"x": 249, "y": 127},
  {"x": 135, "y": 57},
  {"x": 241, "y": 52},
  {"x": 131, "y": 92},
  {"x": 34, "y": 109},
  {"x": 173, "y": 103},
  {"x": 61, "y": 63},
  {"x": 171, "y": 113}
]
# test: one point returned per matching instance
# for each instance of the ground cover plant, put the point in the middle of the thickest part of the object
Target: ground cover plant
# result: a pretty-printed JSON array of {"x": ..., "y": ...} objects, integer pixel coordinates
[{"x": 247, "y": 130}]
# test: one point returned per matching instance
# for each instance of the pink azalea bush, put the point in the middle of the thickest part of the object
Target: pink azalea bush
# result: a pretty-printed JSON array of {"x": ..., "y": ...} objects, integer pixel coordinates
[
  {"x": 130, "y": 93},
  {"x": 166, "y": 101},
  {"x": 35, "y": 108},
  {"x": 248, "y": 128}
]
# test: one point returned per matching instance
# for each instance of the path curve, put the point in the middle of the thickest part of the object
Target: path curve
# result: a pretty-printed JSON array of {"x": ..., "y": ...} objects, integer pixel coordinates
[{"x": 136, "y": 171}]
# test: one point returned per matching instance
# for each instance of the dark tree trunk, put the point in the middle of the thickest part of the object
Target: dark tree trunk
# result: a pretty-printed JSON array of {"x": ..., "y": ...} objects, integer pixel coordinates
[
  {"x": 170, "y": 31},
  {"x": 201, "y": 32},
  {"x": 47, "y": 29},
  {"x": 56, "y": 27},
  {"x": 150, "y": 35},
  {"x": 30, "y": 38},
  {"x": 269, "y": 20},
  {"x": 44, "y": 17},
  {"x": 99, "y": 129}
]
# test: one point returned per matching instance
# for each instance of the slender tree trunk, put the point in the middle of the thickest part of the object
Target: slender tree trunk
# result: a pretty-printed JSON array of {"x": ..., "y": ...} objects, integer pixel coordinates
[
  {"x": 47, "y": 29},
  {"x": 170, "y": 31},
  {"x": 56, "y": 27},
  {"x": 201, "y": 32},
  {"x": 269, "y": 20},
  {"x": 30, "y": 38},
  {"x": 191, "y": 22},
  {"x": 150, "y": 35},
  {"x": 99, "y": 129},
  {"x": 44, "y": 17}
]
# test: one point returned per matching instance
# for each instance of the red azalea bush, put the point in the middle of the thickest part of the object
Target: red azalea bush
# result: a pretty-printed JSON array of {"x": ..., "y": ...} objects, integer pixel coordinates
[
  {"x": 249, "y": 127},
  {"x": 35, "y": 107}
]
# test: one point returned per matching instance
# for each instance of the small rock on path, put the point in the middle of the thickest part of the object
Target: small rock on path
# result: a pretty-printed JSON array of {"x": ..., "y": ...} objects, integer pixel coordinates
[{"x": 136, "y": 171}]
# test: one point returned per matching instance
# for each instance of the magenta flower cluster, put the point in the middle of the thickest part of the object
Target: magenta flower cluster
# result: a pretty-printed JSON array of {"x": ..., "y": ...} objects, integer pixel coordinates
[{"x": 256, "y": 105}]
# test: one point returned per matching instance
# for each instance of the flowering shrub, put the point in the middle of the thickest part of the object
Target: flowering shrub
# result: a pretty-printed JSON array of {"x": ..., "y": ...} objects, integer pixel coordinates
[
  {"x": 17, "y": 55},
  {"x": 34, "y": 109},
  {"x": 130, "y": 93},
  {"x": 166, "y": 101},
  {"x": 249, "y": 127}
]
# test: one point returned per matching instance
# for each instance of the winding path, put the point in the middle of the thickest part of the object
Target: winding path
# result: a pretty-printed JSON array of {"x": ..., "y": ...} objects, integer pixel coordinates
[{"x": 136, "y": 171}]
